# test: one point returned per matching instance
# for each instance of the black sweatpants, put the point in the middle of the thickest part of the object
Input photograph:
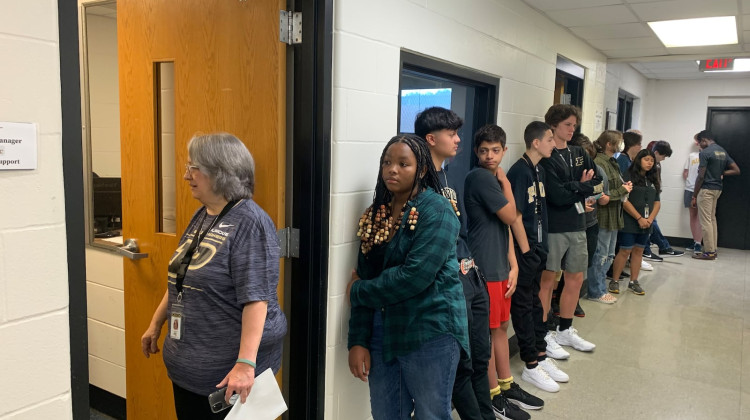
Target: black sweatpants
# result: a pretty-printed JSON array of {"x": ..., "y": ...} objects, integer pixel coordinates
[
  {"x": 192, "y": 406},
  {"x": 471, "y": 391},
  {"x": 526, "y": 311}
]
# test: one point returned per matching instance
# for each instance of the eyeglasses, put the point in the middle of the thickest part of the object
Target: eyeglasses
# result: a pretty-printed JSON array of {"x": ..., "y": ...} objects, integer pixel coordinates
[{"x": 189, "y": 168}]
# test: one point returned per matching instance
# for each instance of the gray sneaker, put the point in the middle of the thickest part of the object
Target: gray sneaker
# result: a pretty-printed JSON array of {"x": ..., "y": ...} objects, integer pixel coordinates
[{"x": 636, "y": 288}]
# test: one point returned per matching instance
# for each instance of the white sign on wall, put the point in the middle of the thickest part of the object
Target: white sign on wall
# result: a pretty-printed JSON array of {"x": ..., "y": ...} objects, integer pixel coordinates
[{"x": 18, "y": 146}]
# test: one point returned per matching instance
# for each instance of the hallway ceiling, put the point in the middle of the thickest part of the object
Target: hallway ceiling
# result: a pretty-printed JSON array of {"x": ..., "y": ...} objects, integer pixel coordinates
[{"x": 619, "y": 30}]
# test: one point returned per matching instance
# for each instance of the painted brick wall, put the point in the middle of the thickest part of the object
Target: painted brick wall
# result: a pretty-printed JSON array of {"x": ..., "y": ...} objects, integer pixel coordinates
[
  {"x": 502, "y": 38},
  {"x": 34, "y": 332}
]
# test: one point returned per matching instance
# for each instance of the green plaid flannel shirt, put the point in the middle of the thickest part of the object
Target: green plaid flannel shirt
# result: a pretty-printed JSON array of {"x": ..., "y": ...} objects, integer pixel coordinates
[{"x": 418, "y": 289}]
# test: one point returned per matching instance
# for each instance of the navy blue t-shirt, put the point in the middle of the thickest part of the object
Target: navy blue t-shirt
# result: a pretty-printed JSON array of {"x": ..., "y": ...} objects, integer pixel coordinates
[
  {"x": 488, "y": 235},
  {"x": 237, "y": 262}
]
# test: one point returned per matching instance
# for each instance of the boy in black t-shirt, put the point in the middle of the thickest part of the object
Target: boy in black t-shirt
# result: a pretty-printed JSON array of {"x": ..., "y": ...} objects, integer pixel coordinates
[
  {"x": 471, "y": 395},
  {"x": 491, "y": 209},
  {"x": 530, "y": 232}
]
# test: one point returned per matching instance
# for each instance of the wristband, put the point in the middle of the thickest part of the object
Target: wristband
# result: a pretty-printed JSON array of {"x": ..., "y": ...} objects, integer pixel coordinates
[{"x": 247, "y": 362}]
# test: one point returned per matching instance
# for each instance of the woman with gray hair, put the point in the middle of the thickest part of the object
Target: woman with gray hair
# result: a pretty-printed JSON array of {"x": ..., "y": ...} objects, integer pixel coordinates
[{"x": 225, "y": 323}]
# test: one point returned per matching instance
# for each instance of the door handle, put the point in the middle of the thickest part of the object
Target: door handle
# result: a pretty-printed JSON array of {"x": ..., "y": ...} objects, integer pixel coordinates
[{"x": 130, "y": 249}]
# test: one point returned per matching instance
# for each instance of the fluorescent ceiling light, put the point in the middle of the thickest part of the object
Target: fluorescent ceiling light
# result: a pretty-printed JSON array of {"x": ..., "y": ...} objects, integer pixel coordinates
[{"x": 696, "y": 32}]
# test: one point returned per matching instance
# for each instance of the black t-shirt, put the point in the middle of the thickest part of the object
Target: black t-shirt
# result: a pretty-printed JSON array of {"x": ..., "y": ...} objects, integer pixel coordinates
[
  {"x": 643, "y": 194},
  {"x": 454, "y": 190},
  {"x": 716, "y": 160},
  {"x": 533, "y": 207},
  {"x": 488, "y": 235}
]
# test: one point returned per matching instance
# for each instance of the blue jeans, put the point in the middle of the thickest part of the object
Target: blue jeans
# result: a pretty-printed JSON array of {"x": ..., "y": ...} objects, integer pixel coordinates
[
  {"x": 657, "y": 238},
  {"x": 603, "y": 257},
  {"x": 421, "y": 381}
]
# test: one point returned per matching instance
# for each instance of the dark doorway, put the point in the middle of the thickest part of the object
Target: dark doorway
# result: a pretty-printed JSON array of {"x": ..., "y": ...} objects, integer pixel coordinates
[{"x": 731, "y": 127}]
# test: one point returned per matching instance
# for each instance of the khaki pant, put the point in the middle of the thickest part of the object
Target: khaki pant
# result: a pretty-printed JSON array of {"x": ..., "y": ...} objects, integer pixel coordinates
[{"x": 706, "y": 203}]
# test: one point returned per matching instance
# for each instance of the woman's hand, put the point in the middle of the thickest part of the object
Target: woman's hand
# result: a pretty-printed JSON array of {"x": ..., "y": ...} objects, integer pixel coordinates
[
  {"x": 603, "y": 200},
  {"x": 628, "y": 186},
  {"x": 150, "y": 340},
  {"x": 355, "y": 277},
  {"x": 239, "y": 381},
  {"x": 359, "y": 362}
]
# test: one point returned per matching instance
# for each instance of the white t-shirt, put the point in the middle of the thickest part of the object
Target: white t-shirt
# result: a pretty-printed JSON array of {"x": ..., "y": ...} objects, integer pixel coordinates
[{"x": 691, "y": 164}]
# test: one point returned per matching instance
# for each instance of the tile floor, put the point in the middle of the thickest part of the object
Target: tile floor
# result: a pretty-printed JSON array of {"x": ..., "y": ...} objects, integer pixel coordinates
[{"x": 682, "y": 351}]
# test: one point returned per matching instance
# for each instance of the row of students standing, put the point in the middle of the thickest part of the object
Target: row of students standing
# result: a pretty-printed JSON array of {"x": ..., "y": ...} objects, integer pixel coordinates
[{"x": 500, "y": 239}]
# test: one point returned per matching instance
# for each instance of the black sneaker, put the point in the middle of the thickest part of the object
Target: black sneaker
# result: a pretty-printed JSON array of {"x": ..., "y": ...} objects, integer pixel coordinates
[
  {"x": 669, "y": 252},
  {"x": 579, "y": 311},
  {"x": 523, "y": 399},
  {"x": 653, "y": 257},
  {"x": 636, "y": 288},
  {"x": 506, "y": 410},
  {"x": 624, "y": 275}
]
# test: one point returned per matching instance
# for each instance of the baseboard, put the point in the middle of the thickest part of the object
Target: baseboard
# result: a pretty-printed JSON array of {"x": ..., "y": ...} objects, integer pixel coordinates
[{"x": 107, "y": 402}]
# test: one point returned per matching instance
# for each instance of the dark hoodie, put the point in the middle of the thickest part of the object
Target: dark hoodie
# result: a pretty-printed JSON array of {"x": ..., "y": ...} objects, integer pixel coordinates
[{"x": 564, "y": 188}]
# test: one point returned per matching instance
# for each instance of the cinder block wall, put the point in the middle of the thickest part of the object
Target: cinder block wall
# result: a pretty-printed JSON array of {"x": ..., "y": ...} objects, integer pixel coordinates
[{"x": 34, "y": 332}]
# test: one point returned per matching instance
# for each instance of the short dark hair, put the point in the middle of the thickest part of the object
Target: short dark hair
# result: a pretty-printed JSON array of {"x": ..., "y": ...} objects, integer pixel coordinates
[
  {"x": 535, "y": 130},
  {"x": 561, "y": 112},
  {"x": 490, "y": 133},
  {"x": 630, "y": 139},
  {"x": 578, "y": 139},
  {"x": 705, "y": 135},
  {"x": 436, "y": 119},
  {"x": 663, "y": 148}
]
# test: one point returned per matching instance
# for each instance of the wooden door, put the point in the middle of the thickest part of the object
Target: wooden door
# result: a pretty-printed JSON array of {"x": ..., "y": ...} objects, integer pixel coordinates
[{"x": 229, "y": 75}]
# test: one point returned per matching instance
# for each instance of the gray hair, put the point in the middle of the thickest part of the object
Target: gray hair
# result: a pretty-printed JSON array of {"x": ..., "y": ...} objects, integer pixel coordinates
[{"x": 227, "y": 162}]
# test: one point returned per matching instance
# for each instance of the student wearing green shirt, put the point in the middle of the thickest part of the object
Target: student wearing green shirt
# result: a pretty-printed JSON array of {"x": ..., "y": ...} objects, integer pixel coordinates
[{"x": 408, "y": 317}]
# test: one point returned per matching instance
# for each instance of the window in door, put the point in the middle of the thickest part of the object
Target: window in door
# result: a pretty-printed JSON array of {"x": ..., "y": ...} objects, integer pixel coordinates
[{"x": 426, "y": 82}]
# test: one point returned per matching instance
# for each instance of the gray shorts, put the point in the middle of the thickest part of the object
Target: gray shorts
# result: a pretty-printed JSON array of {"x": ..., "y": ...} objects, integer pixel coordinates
[
  {"x": 687, "y": 198},
  {"x": 574, "y": 245}
]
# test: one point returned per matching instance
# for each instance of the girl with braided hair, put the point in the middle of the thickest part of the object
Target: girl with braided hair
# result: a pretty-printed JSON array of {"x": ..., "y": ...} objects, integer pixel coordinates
[{"x": 408, "y": 316}]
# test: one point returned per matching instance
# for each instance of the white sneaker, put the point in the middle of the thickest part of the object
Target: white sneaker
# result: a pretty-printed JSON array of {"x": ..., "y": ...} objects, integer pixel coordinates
[
  {"x": 553, "y": 348},
  {"x": 646, "y": 266},
  {"x": 553, "y": 371},
  {"x": 571, "y": 338},
  {"x": 540, "y": 379}
]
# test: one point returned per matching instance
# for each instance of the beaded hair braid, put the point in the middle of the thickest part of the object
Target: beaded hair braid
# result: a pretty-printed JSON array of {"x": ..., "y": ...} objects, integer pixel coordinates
[{"x": 377, "y": 224}]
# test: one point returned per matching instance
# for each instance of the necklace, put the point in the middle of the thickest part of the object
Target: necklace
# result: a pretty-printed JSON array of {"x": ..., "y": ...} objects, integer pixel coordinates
[
  {"x": 450, "y": 194},
  {"x": 379, "y": 227}
]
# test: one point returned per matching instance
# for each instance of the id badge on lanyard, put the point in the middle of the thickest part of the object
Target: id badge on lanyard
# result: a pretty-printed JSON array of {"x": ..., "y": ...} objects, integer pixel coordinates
[
  {"x": 539, "y": 231},
  {"x": 175, "y": 321}
]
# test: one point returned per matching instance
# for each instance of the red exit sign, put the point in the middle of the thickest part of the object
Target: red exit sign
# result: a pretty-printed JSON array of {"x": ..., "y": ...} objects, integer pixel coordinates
[{"x": 716, "y": 64}]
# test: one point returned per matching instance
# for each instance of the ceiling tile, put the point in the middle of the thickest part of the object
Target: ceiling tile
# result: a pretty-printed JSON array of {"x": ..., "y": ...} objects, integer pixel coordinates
[
  {"x": 546, "y": 5},
  {"x": 684, "y": 9},
  {"x": 746, "y": 6},
  {"x": 625, "y": 43},
  {"x": 636, "y": 52},
  {"x": 602, "y": 15},
  {"x": 624, "y": 30},
  {"x": 666, "y": 65},
  {"x": 707, "y": 51},
  {"x": 745, "y": 22}
]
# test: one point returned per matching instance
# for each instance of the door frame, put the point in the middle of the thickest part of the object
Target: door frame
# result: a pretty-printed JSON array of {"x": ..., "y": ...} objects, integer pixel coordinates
[{"x": 311, "y": 65}]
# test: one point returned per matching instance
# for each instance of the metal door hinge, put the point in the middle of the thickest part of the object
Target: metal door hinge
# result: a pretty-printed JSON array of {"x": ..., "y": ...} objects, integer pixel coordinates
[
  {"x": 290, "y": 27},
  {"x": 289, "y": 240}
]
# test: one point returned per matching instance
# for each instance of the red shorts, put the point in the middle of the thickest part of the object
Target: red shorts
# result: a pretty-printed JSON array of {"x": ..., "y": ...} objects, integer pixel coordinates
[{"x": 499, "y": 304}]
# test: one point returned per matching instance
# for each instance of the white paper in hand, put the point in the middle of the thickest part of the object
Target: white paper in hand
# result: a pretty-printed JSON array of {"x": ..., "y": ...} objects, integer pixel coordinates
[{"x": 265, "y": 401}]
